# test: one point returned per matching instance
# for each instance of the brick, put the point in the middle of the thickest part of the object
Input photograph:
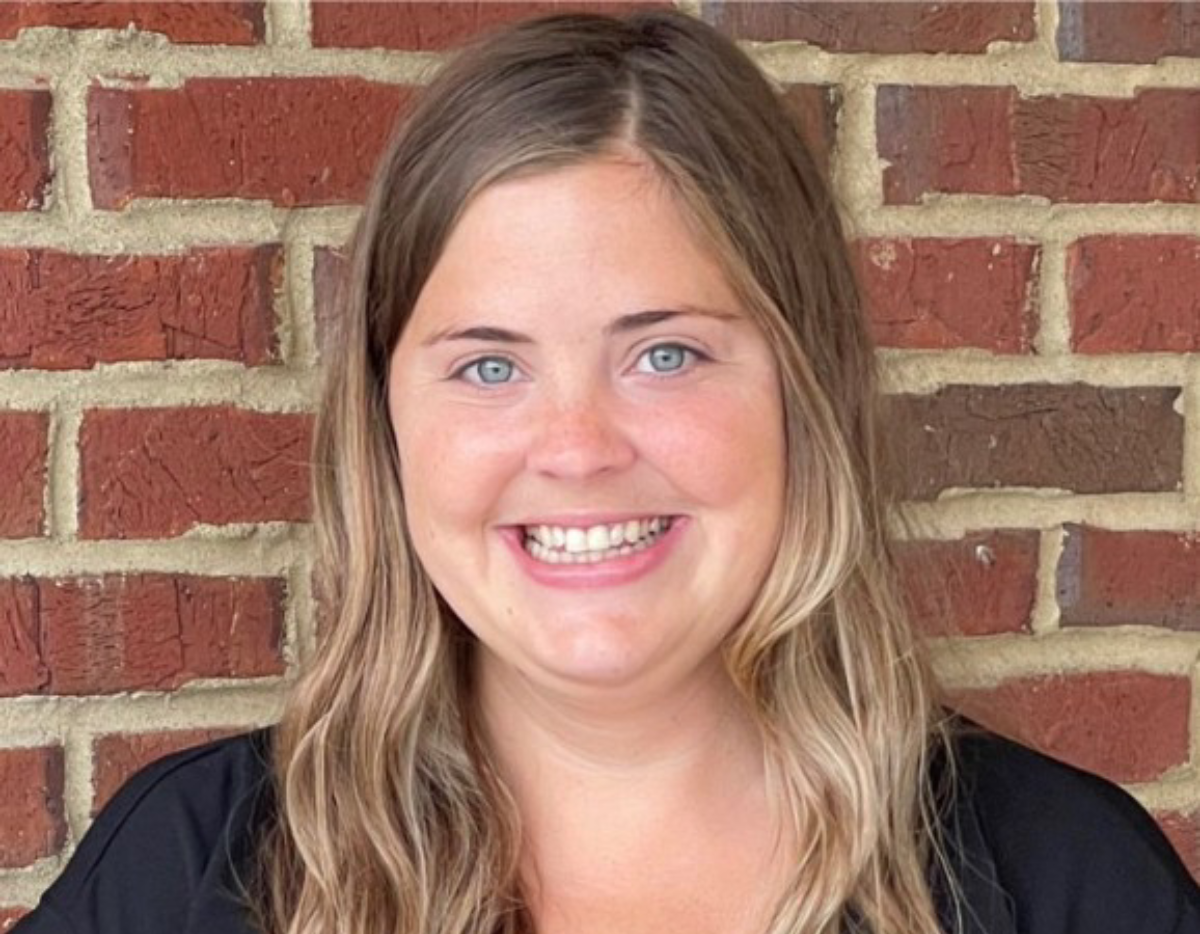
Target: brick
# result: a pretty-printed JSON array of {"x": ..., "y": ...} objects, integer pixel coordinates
[
  {"x": 24, "y": 439},
  {"x": 24, "y": 149},
  {"x": 1085, "y": 439},
  {"x": 23, "y": 669},
  {"x": 1142, "y": 31},
  {"x": 990, "y": 141},
  {"x": 943, "y": 294},
  {"x": 156, "y": 473},
  {"x": 427, "y": 25},
  {"x": 211, "y": 21},
  {"x": 330, "y": 268},
  {"x": 877, "y": 26},
  {"x": 979, "y": 585},
  {"x": 1183, "y": 830},
  {"x": 10, "y": 916},
  {"x": 1135, "y": 293},
  {"x": 1129, "y": 726},
  {"x": 118, "y": 756},
  {"x": 292, "y": 141},
  {"x": 1108, "y": 578},
  {"x": 100, "y": 635},
  {"x": 815, "y": 108},
  {"x": 67, "y": 311},
  {"x": 31, "y": 805}
]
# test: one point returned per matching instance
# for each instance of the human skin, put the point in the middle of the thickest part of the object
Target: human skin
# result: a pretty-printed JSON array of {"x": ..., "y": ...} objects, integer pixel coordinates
[{"x": 532, "y": 388}]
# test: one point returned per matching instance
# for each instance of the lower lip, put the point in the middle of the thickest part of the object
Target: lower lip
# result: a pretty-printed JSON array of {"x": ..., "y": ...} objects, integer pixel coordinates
[{"x": 611, "y": 573}]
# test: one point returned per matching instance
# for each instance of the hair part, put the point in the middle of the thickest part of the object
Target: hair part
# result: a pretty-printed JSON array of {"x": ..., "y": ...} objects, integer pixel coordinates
[{"x": 391, "y": 813}]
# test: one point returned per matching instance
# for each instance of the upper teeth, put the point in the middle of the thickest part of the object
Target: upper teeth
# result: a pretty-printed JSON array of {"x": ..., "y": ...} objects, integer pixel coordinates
[{"x": 575, "y": 540}]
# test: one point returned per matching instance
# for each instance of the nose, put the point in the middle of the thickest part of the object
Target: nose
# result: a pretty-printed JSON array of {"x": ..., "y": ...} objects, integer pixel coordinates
[{"x": 580, "y": 439}]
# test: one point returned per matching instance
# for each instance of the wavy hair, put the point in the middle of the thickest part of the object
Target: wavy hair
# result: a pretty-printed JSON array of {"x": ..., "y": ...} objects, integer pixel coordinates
[{"x": 392, "y": 816}]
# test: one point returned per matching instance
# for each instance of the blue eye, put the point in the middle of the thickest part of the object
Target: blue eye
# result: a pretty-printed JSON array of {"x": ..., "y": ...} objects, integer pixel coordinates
[
  {"x": 666, "y": 358},
  {"x": 488, "y": 371}
]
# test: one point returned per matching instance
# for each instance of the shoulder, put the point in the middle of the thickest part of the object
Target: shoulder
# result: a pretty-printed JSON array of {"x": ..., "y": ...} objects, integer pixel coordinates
[
  {"x": 1072, "y": 851},
  {"x": 165, "y": 853}
]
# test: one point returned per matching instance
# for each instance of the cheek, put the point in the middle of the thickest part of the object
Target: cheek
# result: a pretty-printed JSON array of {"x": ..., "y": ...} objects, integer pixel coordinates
[
  {"x": 453, "y": 467},
  {"x": 721, "y": 449}
]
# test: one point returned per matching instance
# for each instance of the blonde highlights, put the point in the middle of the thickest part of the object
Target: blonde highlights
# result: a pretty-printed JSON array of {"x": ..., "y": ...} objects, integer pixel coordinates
[{"x": 391, "y": 815}]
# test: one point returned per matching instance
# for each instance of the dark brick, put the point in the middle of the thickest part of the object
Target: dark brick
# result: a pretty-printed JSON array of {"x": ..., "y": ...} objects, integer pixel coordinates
[
  {"x": 896, "y": 26},
  {"x": 979, "y": 585},
  {"x": 31, "y": 805},
  {"x": 1085, "y": 439},
  {"x": 1141, "y": 31},
  {"x": 1109, "y": 578},
  {"x": 330, "y": 267},
  {"x": 24, "y": 149},
  {"x": 1133, "y": 294},
  {"x": 991, "y": 141},
  {"x": 210, "y": 21},
  {"x": 432, "y": 25},
  {"x": 942, "y": 294}
]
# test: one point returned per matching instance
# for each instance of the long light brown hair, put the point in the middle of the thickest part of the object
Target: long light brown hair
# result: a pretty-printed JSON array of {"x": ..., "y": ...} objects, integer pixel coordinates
[{"x": 392, "y": 816}]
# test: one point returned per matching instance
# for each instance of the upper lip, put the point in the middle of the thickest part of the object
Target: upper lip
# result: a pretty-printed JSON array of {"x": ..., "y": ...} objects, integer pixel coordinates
[{"x": 586, "y": 520}]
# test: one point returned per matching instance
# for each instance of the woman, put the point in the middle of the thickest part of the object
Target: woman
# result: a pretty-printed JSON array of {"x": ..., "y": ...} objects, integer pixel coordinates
[{"x": 614, "y": 642}]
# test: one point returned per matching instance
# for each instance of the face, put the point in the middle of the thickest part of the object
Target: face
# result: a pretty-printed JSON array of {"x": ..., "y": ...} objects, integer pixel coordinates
[{"x": 590, "y": 432}]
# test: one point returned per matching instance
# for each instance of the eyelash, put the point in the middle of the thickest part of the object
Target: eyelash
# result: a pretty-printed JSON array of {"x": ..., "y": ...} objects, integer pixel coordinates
[{"x": 694, "y": 357}]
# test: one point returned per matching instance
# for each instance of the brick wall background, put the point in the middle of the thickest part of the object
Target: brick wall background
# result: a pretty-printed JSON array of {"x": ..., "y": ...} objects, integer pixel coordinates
[{"x": 175, "y": 178}]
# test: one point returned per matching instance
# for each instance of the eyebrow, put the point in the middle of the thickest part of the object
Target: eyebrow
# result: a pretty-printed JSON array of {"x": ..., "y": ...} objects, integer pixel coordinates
[{"x": 622, "y": 325}]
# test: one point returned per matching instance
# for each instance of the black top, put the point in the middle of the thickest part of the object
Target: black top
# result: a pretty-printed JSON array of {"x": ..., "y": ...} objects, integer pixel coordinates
[{"x": 1038, "y": 848}]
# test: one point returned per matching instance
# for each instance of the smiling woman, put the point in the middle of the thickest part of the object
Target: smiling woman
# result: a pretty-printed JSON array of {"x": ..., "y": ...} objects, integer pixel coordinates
[
  {"x": 614, "y": 643},
  {"x": 559, "y": 419}
]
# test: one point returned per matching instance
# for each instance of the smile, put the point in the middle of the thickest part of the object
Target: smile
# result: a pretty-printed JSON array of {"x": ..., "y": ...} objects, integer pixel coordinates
[{"x": 555, "y": 544}]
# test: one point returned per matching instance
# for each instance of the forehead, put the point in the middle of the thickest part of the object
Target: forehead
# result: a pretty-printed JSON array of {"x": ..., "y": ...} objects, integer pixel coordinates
[{"x": 605, "y": 236}]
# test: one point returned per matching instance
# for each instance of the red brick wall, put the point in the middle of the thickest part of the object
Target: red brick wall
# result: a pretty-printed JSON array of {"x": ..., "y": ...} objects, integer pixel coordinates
[{"x": 175, "y": 178}]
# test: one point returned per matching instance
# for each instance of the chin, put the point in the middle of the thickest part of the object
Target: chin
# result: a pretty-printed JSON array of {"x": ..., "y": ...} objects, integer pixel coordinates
[{"x": 591, "y": 662}]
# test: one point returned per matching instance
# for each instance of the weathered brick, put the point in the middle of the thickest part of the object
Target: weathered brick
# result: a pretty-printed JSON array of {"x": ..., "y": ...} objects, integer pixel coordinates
[
  {"x": 10, "y": 916},
  {"x": 99, "y": 635},
  {"x": 1130, "y": 726},
  {"x": 330, "y": 268},
  {"x": 23, "y": 670},
  {"x": 943, "y": 293},
  {"x": 156, "y": 473},
  {"x": 432, "y": 25},
  {"x": 816, "y": 108},
  {"x": 1086, "y": 439},
  {"x": 31, "y": 805},
  {"x": 1108, "y": 578},
  {"x": 877, "y": 26},
  {"x": 212, "y": 21},
  {"x": 977, "y": 140},
  {"x": 24, "y": 149},
  {"x": 293, "y": 141},
  {"x": 67, "y": 311},
  {"x": 1135, "y": 293},
  {"x": 979, "y": 585},
  {"x": 1183, "y": 830},
  {"x": 24, "y": 441},
  {"x": 1141, "y": 31},
  {"x": 118, "y": 756}
]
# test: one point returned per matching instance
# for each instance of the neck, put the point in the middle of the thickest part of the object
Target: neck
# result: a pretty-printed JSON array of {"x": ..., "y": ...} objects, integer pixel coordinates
[
  {"x": 597, "y": 766},
  {"x": 614, "y": 793},
  {"x": 650, "y": 734}
]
